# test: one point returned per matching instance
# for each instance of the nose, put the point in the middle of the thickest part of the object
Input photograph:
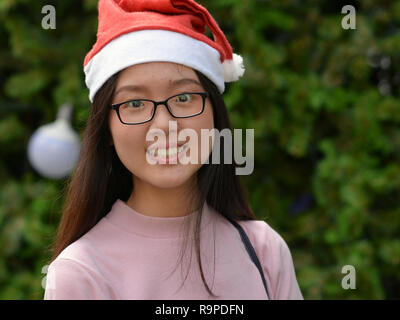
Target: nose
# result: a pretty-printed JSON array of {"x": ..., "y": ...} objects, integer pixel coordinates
[{"x": 161, "y": 118}]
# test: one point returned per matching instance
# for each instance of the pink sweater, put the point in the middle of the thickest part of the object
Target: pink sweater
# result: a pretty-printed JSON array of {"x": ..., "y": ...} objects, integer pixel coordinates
[{"x": 129, "y": 255}]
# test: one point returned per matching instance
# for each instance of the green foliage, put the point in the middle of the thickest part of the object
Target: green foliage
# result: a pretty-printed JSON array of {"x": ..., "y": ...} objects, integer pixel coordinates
[
  {"x": 325, "y": 131},
  {"x": 27, "y": 223}
]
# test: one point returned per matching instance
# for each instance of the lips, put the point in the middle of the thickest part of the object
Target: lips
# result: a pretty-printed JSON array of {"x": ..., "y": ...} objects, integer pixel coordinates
[
  {"x": 165, "y": 146},
  {"x": 166, "y": 152}
]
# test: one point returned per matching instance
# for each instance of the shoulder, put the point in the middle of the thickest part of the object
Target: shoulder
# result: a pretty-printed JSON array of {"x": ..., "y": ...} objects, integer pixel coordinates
[
  {"x": 263, "y": 236},
  {"x": 275, "y": 258},
  {"x": 70, "y": 280},
  {"x": 74, "y": 274},
  {"x": 79, "y": 253},
  {"x": 88, "y": 250}
]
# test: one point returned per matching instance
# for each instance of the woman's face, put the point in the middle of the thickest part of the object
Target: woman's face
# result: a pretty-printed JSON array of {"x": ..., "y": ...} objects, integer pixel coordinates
[{"x": 158, "y": 81}]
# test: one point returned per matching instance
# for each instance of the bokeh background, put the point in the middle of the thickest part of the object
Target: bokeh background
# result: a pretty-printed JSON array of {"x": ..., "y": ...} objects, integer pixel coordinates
[{"x": 324, "y": 103}]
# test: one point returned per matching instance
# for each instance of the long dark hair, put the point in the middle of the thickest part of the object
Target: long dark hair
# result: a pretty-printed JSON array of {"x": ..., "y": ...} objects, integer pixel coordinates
[{"x": 100, "y": 178}]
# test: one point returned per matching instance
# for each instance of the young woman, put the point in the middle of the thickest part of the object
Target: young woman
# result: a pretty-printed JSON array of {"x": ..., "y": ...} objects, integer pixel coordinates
[{"x": 128, "y": 223}]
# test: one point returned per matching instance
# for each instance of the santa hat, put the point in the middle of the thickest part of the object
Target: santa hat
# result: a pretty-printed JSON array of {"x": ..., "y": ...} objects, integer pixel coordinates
[{"x": 138, "y": 31}]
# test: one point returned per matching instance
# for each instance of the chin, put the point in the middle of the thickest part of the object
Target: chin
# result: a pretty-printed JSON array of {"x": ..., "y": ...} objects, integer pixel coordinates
[
  {"x": 169, "y": 178},
  {"x": 167, "y": 182}
]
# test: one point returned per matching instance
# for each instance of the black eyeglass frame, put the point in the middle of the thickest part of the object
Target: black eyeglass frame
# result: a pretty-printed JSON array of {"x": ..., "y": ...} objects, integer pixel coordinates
[{"x": 116, "y": 106}]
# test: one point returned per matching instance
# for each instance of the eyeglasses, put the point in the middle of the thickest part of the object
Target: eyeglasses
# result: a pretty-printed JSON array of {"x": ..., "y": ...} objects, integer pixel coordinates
[{"x": 182, "y": 105}]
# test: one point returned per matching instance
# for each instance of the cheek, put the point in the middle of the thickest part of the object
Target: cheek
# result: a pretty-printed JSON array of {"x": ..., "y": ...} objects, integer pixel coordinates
[
  {"x": 129, "y": 145},
  {"x": 209, "y": 116},
  {"x": 205, "y": 122}
]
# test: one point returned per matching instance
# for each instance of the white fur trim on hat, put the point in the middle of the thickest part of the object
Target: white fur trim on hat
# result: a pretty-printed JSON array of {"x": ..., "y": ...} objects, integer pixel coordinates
[
  {"x": 233, "y": 69},
  {"x": 154, "y": 45}
]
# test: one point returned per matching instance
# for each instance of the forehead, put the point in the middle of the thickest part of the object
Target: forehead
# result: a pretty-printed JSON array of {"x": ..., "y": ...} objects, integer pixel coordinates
[{"x": 155, "y": 71}]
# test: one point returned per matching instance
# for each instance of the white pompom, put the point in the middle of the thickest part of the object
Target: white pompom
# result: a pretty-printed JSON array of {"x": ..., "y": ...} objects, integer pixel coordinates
[{"x": 233, "y": 69}]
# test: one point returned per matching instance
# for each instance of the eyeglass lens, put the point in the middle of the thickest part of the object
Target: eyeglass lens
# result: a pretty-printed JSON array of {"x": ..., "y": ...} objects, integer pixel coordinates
[{"x": 183, "y": 105}]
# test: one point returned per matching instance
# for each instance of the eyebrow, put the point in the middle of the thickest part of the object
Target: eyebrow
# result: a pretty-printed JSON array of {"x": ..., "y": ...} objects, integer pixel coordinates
[{"x": 171, "y": 84}]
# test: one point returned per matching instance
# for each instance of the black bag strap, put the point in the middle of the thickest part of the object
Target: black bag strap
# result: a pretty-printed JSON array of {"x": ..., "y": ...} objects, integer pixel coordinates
[{"x": 251, "y": 252}]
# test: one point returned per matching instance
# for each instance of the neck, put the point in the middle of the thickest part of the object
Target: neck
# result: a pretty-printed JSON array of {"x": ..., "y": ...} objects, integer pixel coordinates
[{"x": 162, "y": 202}]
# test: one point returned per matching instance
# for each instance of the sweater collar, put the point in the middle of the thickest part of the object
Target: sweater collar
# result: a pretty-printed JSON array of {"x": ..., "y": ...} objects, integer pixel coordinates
[{"x": 125, "y": 217}]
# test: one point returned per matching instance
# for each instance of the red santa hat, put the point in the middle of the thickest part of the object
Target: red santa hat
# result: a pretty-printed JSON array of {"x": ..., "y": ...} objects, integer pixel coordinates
[{"x": 138, "y": 31}]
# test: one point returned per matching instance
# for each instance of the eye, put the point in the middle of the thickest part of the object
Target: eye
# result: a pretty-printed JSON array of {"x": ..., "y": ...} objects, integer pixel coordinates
[
  {"x": 135, "y": 103},
  {"x": 184, "y": 97}
]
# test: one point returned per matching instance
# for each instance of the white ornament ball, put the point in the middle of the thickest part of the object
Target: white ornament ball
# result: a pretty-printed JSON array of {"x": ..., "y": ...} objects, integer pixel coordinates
[{"x": 53, "y": 149}]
